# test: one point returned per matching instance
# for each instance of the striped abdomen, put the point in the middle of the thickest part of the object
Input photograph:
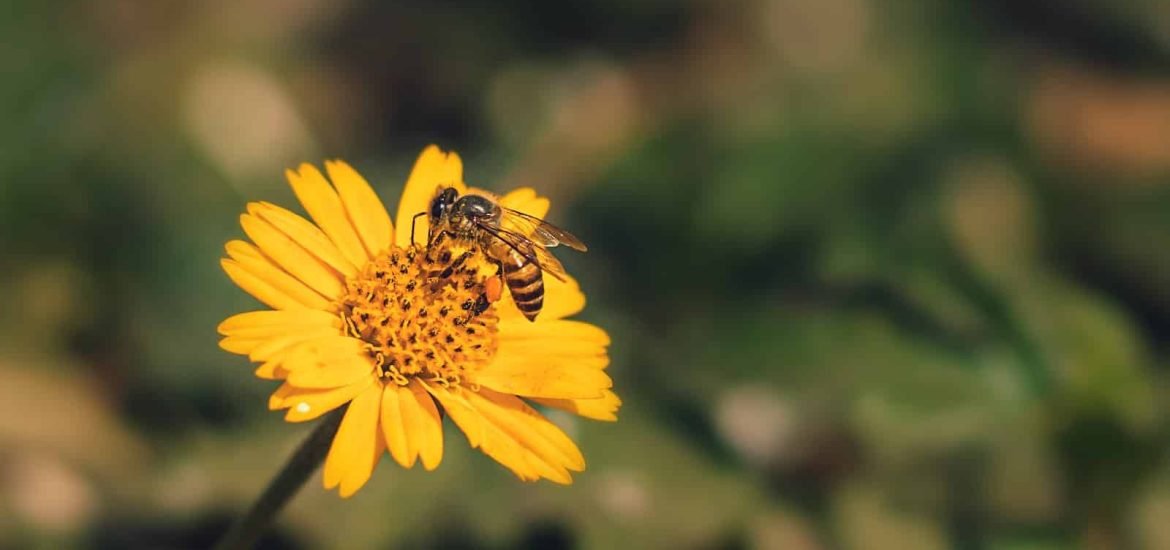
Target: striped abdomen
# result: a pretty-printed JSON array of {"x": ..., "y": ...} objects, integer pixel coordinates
[{"x": 526, "y": 283}]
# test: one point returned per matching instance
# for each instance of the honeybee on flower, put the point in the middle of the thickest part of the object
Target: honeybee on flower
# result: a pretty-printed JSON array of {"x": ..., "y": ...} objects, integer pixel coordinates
[
  {"x": 516, "y": 242},
  {"x": 357, "y": 319}
]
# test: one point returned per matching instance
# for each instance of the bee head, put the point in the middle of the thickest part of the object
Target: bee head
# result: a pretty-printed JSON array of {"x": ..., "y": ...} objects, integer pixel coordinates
[{"x": 441, "y": 204}]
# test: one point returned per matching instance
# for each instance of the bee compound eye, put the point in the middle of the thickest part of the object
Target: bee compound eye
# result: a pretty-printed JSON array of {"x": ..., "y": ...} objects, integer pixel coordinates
[{"x": 442, "y": 202}]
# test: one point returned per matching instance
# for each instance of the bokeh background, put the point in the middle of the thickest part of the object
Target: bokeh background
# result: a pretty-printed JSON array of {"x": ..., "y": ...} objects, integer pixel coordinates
[{"x": 879, "y": 274}]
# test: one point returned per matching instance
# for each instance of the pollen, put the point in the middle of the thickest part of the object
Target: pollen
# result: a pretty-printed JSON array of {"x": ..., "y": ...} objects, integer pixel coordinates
[{"x": 424, "y": 313}]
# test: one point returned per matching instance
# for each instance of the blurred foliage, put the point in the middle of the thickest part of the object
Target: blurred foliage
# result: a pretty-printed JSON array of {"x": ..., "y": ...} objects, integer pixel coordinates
[{"x": 879, "y": 275}]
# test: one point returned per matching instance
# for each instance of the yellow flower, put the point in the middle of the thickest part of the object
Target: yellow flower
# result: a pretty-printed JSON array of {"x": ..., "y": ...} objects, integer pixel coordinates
[{"x": 357, "y": 318}]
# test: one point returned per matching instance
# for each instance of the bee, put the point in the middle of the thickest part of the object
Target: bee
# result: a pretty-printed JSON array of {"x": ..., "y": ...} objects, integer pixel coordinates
[{"x": 516, "y": 242}]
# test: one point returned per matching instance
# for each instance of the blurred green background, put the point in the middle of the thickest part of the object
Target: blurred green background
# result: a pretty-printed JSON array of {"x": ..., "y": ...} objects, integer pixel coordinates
[{"x": 879, "y": 274}]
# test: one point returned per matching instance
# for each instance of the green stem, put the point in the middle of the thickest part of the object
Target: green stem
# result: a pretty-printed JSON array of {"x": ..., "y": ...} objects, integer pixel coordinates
[{"x": 300, "y": 466}]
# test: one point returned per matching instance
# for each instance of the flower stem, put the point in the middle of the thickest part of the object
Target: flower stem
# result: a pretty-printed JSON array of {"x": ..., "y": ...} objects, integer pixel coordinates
[{"x": 300, "y": 466}]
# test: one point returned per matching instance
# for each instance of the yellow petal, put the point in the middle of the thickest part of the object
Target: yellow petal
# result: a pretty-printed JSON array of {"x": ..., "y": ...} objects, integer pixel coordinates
[
  {"x": 535, "y": 432},
  {"x": 604, "y": 408},
  {"x": 271, "y": 370},
  {"x": 394, "y": 425},
  {"x": 525, "y": 200},
  {"x": 559, "y": 334},
  {"x": 248, "y": 331},
  {"x": 249, "y": 267},
  {"x": 365, "y": 209},
  {"x": 324, "y": 206},
  {"x": 293, "y": 259},
  {"x": 305, "y": 234},
  {"x": 425, "y": 425},
  {"x": 301, "y": 352},
  {"x": 454, "y": 405},
  {"x": 510, "y": 432},
  {"x": 260, "y": 289},
  {"x": 412, "y": 425},
  {"x": 262, "y": 349},
  {"x": 305, "y": 404},
  {"x": 570, "y": 356},
  {"x": 483, "y": 435},
  {"x": 326, "y": 362},
  {"x": 326, "y": 348},
  {"x": 354, "y": 452},
  {"x": 547, "y": 366},
  {"x": 549, "y": 359},
  {"x": 433, "y": 168},
  {"x": 561, "y": 298},
  {"x": 240, "y": 346},
  {"x": 273, "y": 348},
  {"x": 268, "y": 323},
  {"x": 277, "y": 399},
  {"x": 330, "y": 373}
]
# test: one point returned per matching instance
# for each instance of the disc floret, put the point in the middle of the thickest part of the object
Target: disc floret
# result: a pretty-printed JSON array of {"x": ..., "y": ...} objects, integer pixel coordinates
[{"x": 423, "y": 313}]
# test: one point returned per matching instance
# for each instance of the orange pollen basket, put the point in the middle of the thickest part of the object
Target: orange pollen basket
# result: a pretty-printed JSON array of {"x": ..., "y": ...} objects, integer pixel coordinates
[{"x": 424, "y": 313}]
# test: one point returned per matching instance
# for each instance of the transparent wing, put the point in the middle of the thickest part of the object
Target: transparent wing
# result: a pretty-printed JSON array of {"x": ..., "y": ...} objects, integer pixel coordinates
[
  {"x": 549, "y": 263},
  {"x": 533, "y": 251},
  {"x": 538, "y": 230}
]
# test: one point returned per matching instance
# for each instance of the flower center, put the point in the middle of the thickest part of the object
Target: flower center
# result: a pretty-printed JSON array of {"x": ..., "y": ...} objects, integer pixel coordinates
[{"x": 423, "y": 312}]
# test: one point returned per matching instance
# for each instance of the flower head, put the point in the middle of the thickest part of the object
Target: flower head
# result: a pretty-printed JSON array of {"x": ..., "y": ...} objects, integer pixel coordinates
[{"x": 402, "y": 334}]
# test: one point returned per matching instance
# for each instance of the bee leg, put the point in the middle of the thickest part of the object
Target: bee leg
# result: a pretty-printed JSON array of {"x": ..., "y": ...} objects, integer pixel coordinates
[
  {"x": 481, "y": 305},
  {"x": 450, "y": 270},
  {"x": 433, "y": 243},
  {"x": 412, "y": 224},
  {"x": 458, "y": 263},
  {"x": 493, "y": 288},
  {"x": 430, "y": 260}
]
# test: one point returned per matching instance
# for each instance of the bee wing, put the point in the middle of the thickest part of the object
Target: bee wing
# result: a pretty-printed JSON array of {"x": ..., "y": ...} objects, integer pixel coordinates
[
  {"x": 549, "y": 263},
  {"x": 538, "y": 230},
  {"x": 533, "y": 251}
]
